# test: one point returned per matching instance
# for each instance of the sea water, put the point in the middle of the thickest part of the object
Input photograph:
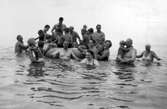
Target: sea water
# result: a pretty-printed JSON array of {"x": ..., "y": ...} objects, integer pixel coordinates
[{"x": 67, "y": 85}]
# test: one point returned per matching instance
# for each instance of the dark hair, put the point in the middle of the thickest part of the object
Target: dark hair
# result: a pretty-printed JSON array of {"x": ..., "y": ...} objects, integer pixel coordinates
[
  {"x": 18, "y": 36},
  {"x": 40, "y": 32},
  {"x": 47, "y": 26},
  {"x": 61, "y": 18},
  {"x": 90, "y": 30},
  {"x": 91, "y": 52},
  {"x": 109, "y": 42},
  {"x": 98, "y": 25},
  {"x": 67, "y": 30}
]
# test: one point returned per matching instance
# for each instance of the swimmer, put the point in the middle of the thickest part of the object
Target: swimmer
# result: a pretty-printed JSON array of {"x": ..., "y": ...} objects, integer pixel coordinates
[
  {"x": 90, "y": 59},
  {"x": 19, "y": 46},
  {"x": 148, "y": 55},
  {"x": 105, "y": 53},
  {"x": 34, "y": 52}
]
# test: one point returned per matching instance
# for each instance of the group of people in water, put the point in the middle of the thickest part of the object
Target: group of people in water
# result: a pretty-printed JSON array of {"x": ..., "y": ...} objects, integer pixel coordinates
[{"x": 65, "y": 43}]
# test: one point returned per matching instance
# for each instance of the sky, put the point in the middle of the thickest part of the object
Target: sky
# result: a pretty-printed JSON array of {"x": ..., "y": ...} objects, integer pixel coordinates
[{"x": 145, "y": 21}]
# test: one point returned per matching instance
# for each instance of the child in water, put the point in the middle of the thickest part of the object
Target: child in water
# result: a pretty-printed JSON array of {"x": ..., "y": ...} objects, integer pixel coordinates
[
  {"x": 89, "y": 60},
  {"x": 34, "y": 52}
]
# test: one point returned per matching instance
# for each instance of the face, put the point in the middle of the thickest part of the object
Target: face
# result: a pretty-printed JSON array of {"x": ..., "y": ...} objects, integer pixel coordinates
[
  {"x": 47, "y": 29},
  {"x": 128, "y": 42},
  {"x": 107, "y": 45},
  {"x": 147, "y": 47},
  {"x": 100, "y": 48},
  {"x": 60, "y": 21},
  {"x": 98, "y": 27},
  {"x": 88, "y": 56}
]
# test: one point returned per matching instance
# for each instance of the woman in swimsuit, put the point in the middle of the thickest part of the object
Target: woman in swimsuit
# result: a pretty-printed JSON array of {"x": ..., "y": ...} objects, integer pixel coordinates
[{"x": 148, "y": 55}]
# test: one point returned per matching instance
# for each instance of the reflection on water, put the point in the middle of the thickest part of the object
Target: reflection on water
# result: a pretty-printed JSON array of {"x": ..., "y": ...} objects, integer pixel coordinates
[{"x": 67, "y": 85}]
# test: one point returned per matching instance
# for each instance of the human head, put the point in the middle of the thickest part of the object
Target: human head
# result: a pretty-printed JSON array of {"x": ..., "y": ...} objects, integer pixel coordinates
[
  {"x": 90, "y": 30},
  {"x": 89, "y": 54},
  {"x": 107, "y": 44},
  {"x": 31, "y": 42},
  {"x": 40, "y": 33},
  {"x": 71, "y": 28},
  {"x": 148, "y": 47},
  {"x": 122, "y": 43},
  {"x": 65, "y": 44},
  {"x": 82, "y": 48},
  {"x": 85, "y": 26},
  {"x": 19, "y": 38},
  {"x": 129, "y": 42},
  {"x": 67, "y": 30},
  {"x": 46, "y": 27},
  {"x": 61, "y": 20},
  {"x": 91, "y": 43},
  {"x": 100, "y": 47},
  {"x": 98, "y": 27}
]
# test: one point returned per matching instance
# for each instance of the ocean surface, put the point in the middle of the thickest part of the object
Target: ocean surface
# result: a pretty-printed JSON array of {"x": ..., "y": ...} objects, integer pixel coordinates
[{"x": 68, "y": 85}]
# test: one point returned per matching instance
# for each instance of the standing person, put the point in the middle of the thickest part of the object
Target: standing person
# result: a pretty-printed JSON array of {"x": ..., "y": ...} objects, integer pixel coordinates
[
  {"x": 74, "y": 35},
  {"x": 60, "y": 26},
  {"x": 148, "y": 55},
  {"x": 84, "y": 30},
  {"x": 98, "y": 36},
  {"x": 104, "y": 55},
  {"x": 19, "y": 46},
  {"x": 88, "y": 36},
  {"x": 129, "y": 57},
  {"x": 34, "y": 52},
  {"x": 68, "y": 37},
  {"x": 41, "y": 39},
  {"x": 45, "y": 30}
]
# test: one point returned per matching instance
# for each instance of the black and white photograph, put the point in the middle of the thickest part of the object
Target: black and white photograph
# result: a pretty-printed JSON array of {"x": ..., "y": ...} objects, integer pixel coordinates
[{"x": 83, "y": 54}]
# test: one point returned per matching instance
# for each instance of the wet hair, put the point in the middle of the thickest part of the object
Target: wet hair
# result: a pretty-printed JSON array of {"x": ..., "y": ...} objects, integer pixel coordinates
[
  {"x": 122, "y": 42},
  {"x": 92, "y": 53},
  {"x": 46, "y": 26},
  {"x": 61, "y": 18},
  {"x": 148, "y": 45},
  {"x": 109, "y": 42}
]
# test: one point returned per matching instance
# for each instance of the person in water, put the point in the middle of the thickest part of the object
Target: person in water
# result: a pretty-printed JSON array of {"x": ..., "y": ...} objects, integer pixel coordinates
[
  {"x": 74, "y": 35},
  {"x": 148, "y": 55},
  {"x": 45, "y": 30},
  {"x": 122, "y": 49},
  {"x": 34, "y": 52},
  {"x": 68, "y": 37},
  {"x": 84, "y": 30},
  {"x": 79, "y": 53},
  {"x": 98, "y": 36},
  {"x": 60, "y": 26},
  {"x": 129, "y": 57},
  {"x": 64, "y": 53},
  {"x": 19, "y": 46},
  {"x": 90, "y": 59},
  {"x": 105, "y": 53}
]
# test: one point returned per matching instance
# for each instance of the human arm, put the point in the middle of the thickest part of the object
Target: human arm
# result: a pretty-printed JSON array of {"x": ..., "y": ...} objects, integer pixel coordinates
[
  {"x": 141, "y": 55},
  {"x": 104, "y": 55},
  {"x": 155, "y": 56}
]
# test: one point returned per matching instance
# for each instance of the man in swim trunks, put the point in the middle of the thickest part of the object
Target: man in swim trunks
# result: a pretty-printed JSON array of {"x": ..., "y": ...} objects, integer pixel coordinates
[
  {"x": 60, "y": 26},
  {"x": 68, "y": 37},
  {"x": 98, "y": 36},
  {"x": 148, "y": 55},
  {"x": 19, "y": 46},
  {"x": 130, "y": 56}
]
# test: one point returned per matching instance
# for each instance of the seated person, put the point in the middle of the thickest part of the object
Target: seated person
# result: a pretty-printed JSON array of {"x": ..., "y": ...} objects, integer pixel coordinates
[
  {"x": 34, "y": 52},
  {"x": 148, "y": 55},
  {"x": 122, "y": 49},
  {"x": 105, "y": 53},
  {"x": 79, "y": 53},
  {"x": 90, "y": 59},
  {"x": 19, "y": 46},
  {"x": 128, "y": 57}
]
